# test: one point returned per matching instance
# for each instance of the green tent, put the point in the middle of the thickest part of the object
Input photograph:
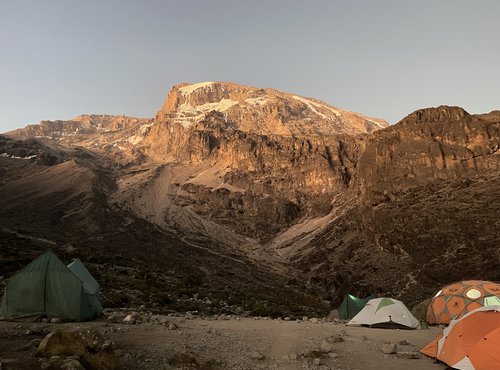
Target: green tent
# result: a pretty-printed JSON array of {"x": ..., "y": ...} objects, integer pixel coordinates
[
  {"x": 46, "y": 287},
  {"x": 90, "y": 285},
  {"x": 420, "y": 310},
  {"x": 351, "y": 306}
]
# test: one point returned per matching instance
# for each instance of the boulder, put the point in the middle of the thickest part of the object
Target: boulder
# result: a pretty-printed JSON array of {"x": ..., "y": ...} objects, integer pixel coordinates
[{"x": 61, "y": 343}]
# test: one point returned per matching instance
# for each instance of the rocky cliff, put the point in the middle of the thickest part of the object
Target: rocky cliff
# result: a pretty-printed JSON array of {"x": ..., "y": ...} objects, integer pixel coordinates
[{"x": 275, "y": 185}]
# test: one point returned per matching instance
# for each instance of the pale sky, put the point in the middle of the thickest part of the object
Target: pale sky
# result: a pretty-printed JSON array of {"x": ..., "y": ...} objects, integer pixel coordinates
[{"x": 62, "y": 58}]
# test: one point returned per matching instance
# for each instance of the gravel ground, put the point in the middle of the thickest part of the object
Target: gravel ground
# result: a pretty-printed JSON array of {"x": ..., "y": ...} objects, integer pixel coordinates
[{"x": 176, "y": 342}]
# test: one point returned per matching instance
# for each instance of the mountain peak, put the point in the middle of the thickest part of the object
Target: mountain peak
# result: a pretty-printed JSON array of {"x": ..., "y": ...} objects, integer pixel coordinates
[
  {"x": 264, "y": 111},
  {"x": 443, "y": 113}
]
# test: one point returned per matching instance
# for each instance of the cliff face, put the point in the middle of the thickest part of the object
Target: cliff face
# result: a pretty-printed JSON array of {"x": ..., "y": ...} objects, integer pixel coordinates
[
  {"x": 280, "y": 155},
  {"x": 426, "y": 211},
  {"x": 333, "y": 200},
  {"x": 428, "y": 146},
  {"x": 430, "y": 188}
]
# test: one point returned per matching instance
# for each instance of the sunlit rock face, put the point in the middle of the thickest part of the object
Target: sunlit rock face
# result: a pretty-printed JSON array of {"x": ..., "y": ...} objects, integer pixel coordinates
[
  {"x": 335, "y": 201},
  {"x": 261, "y": 111}
]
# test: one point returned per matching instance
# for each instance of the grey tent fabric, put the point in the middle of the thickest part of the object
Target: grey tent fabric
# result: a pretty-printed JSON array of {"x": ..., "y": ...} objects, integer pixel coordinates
[
  {"x": 47, "y": 287},
  {"x": 385, "y": 313}
]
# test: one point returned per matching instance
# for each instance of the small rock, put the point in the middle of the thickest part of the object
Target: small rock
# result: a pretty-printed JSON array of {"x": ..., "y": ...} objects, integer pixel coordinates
[
  {"x": 314, "y": 320},
  {"x": 287, "y": 318},
  {"x": 133, "y": 318},
  {"x": 317, "y": 361},
  {"x": 335, "y": 339},
  {"x": 257, "y": 355},
  {"x": 72, "y": 365},
  {"x": 72, "y": 358},
  {"x": 115, "y": 318},
  {"x": 54, "y": 358},
  {"x": 32, "y": 343},
  {"x": 172, "y": 326},
  {"x": 292, "y": 356},
  {"x": 55, "y": 320},
  {"x": 408, "y": 354},
  {"x": 107, "y": 345},
  {"x": 107, "y": 311},
  {"x": 305, "y": 318},
  {"x": 389, "y": 348},
  {"x": 44, "y": 320},
  {"x": 35, "y": 329},
  {"x": 333, "y": 355},
  {"x": 327, "y": 346},
  {"x": 45, "y": 365},
  {"x": 404, "y": 343},
  {"x": 342, "y": 333}
]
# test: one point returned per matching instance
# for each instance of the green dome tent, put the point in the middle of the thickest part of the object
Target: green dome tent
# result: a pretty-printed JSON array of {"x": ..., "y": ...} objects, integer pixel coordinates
[
  {"x": 420, "y": 310},
  {"x": 46, "y": 287},
  {"x": 351, "y": 305}
]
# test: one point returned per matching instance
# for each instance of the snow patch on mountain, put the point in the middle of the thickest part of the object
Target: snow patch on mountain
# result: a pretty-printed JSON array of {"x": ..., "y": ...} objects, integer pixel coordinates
[
  {"x": 187, "y": 114},
  {"x": 190, "y": 88},
  {"x": 312, "y": 105},
  {"x": 257, "y": 101}
]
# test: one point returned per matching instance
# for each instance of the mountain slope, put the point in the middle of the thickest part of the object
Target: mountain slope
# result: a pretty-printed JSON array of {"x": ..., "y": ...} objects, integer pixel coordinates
[{"x": 234, "y": 184}]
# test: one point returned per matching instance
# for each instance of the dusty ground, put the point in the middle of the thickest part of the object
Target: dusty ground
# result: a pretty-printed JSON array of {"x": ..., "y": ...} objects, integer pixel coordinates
[{"x": 236, "y": 343}]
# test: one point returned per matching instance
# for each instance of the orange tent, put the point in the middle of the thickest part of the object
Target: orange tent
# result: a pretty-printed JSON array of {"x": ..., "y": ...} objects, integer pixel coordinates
[
  {"x": 457, "y": 299},
  {"x": 471, "y": 342}
]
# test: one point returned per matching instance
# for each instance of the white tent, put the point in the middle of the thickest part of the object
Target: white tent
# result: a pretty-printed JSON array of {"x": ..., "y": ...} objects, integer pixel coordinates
[{"x": 385, "y": 313}]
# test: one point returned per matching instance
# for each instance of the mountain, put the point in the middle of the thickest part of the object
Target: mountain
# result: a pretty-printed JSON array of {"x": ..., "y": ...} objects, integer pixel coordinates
[{"x": 266, "y": 199}]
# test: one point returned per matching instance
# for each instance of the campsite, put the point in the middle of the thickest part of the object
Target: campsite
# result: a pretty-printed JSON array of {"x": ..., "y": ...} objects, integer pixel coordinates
[
  {"x": 222, "y": 342},
  {"x": 52, "y": 319}
]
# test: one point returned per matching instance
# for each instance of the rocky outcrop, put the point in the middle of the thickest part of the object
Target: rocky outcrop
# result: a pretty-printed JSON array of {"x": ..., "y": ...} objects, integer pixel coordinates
[
  {"x": 428, "y": 146},
  {"x": 426, "y": 212}
]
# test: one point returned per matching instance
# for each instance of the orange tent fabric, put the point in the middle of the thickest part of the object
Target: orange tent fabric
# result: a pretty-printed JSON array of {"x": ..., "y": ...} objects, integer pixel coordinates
[
  {"x": 485, "y": 353},
  {"x": 457, "y": 299},
  {"x": 471, "y": 342}
]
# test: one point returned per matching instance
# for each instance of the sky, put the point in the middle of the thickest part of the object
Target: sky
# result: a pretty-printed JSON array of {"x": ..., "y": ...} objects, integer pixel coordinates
[{"x": 63, "y": 58}]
